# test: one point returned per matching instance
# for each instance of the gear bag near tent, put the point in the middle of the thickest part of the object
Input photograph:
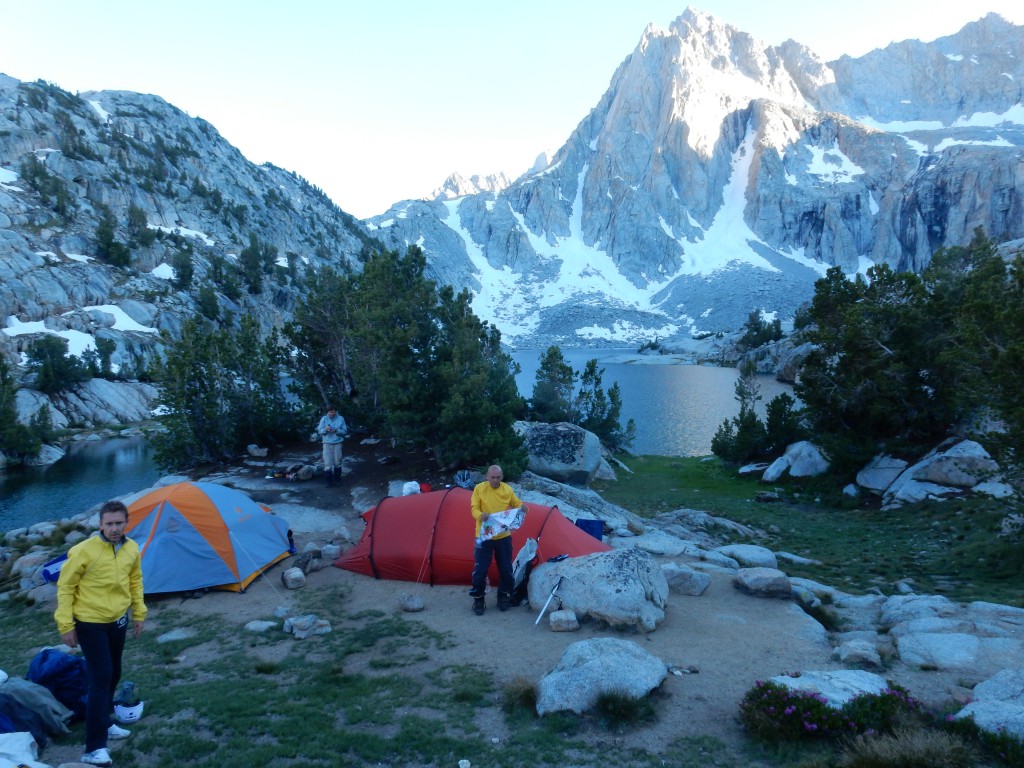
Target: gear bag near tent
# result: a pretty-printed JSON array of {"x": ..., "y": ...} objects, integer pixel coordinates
[
  {"x": 204, "y": 535},
  {"x": 428, "y": 537}
]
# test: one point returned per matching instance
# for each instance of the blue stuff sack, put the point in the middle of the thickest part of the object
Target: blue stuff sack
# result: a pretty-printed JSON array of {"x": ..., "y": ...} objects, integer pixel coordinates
[{"x": 64, "y": 675}]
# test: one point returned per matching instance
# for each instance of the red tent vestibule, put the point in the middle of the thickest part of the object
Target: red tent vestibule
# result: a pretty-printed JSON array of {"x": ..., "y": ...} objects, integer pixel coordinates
[{"x": 428, "y": 537}]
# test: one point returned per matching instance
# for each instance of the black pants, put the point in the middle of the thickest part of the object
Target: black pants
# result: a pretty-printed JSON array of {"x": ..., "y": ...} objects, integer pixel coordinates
[
  {"x": 102, "y": 646},
  {"x": 501, "y": 551}
]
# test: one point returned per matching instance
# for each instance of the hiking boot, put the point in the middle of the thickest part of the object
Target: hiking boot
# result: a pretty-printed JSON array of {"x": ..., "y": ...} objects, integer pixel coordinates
[
  {"x": 503, "y": 602},
  {"x": 116, "y": 732},
  {"x": 329, "y": 477},
  {"x": 337, "y": 475},
  {"x": 97, "y": 757},
  {"x": 479, "y": 606}
]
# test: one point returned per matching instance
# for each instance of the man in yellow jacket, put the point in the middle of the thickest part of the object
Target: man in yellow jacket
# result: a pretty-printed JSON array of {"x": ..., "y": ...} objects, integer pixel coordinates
[
  {"x": 489, "y": 497},
  {"x": 100, "y": 581}
]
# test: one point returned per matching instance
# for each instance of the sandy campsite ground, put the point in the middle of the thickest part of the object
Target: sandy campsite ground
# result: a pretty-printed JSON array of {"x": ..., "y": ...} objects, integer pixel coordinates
[{"x": 727, "y": 639}]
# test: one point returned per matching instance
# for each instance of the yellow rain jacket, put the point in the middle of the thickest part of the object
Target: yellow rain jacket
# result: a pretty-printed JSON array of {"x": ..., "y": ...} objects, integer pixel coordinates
[
  {"x": 99, "y": 583},
  {"x": 491, "y": 500}
]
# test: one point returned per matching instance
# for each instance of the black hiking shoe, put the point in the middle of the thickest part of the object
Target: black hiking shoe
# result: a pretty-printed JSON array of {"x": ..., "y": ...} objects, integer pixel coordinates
[
  {"x": 503, "y": 602},
  {"x": 479, "y": 606}
]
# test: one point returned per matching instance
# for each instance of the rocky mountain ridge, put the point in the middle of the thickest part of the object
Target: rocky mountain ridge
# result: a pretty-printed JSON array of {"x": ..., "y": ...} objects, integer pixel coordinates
[
  {"x": 121, "y": 217},
  {"x": 719, "y": 175}
]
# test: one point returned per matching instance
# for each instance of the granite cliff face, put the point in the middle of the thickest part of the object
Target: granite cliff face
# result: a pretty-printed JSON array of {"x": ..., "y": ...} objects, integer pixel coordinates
[
  {"x": 719, "y": 175},
  {"x": 175, "y": 196}
]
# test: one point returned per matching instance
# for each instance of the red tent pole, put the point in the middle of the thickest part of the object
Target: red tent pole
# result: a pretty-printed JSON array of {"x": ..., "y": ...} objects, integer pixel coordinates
[{"x": 428, "y": 556}]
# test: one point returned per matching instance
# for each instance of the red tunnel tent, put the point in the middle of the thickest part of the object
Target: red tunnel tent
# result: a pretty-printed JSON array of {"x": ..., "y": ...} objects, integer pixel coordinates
[{"x": 428, "y": 537}]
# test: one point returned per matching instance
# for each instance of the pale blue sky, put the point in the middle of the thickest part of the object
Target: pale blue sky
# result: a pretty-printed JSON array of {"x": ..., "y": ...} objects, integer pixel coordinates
[{"x": 379, "y": 100}]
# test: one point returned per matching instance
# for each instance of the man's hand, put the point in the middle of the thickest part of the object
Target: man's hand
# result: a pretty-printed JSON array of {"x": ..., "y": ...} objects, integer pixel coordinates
[
  {"x": 70, "y": 639},
  {"x": 137, "y": 628}
]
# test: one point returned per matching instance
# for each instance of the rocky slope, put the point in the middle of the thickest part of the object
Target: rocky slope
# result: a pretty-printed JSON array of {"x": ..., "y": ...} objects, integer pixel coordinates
[{"x": 179, "y": 198}]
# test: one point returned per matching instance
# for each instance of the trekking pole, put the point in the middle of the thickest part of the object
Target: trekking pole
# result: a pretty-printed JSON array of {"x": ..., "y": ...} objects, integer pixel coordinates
[{"x": 550, "y": 598}]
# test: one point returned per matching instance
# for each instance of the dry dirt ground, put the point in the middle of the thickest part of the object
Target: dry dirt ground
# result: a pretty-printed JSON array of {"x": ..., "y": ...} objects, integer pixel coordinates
[{"x": 729, "y": 639}]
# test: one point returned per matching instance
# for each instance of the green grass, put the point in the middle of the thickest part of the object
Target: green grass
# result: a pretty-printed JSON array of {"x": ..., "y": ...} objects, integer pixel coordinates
[
  {"x": 949, "y": 547},
  {"x": 226, "y": 698}
]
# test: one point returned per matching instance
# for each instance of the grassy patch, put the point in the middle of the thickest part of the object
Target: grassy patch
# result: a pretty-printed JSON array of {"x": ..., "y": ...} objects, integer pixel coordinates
[
  {"x": 212, "y": 702},
  {"x": 909, "y": 746},
  {"x": 618, "y": 710},
  {"x": 949, "y": 548}
]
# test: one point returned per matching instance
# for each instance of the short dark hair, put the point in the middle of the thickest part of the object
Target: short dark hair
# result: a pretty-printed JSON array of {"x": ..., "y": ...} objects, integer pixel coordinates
[
  {"x": 330, "y": 407},
  {"x": 112, "y": 507}
]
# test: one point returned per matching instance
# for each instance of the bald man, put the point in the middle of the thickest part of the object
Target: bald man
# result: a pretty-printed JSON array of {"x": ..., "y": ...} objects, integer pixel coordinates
[{"x": 489, "y": 497}]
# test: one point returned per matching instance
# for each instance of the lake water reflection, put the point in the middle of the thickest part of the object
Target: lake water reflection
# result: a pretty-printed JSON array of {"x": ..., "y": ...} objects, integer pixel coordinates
[
  {"x": 677, "y": 408},
  {"x": 89, "y": 474}
]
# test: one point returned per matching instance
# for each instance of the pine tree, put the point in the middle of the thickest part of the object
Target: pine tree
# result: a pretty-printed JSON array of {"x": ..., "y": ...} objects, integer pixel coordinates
[
  {"x": 553, "y": 390},
  {"x": 476, "y": 399},
  {"x": 16, "y": 440},
  {"x": 743, "y": 437},
  {"x": 407, "y": 360},
  {"x": 54, "y": 369}
]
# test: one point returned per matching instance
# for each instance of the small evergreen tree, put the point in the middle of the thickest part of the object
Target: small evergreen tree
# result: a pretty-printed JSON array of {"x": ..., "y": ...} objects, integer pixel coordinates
[
  {"x": 220, "y": 391},
  {"x": 556, "y": 398},
  {"x": 16, "y": 440},
  {"x": 181, "y": 262},
  {"x": 553, "y": 389},
  {"x": 743, "y": 437},
  {"x": 758, "y": 331},
  {"x": 41, "y": 425},
  {"x": 107, "y": 246},
  {"x": 476, "y": 397},
  {"x": 783, "y": 424},
  {"x": 209, "y": 307},
  {"x": 600, "y": 413},
  {"x": 104, "y": 351},
  {"x": 54, "y": 369}
]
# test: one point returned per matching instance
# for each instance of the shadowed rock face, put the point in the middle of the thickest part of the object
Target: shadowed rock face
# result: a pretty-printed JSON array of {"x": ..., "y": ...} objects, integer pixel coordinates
[{"x": 563, "y": 452}]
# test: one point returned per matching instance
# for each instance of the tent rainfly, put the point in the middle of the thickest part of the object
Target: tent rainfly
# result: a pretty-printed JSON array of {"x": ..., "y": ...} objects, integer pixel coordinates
[
  {"x": 204, "y": 535},
  {"x": 428, "y": 537}
]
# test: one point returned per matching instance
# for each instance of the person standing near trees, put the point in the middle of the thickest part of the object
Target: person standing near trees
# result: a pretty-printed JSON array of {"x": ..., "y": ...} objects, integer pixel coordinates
[
  {"x": 332, "y": 429},
  {"x": 489, "y": 497},
  {"x": 100, "y": 581}
]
